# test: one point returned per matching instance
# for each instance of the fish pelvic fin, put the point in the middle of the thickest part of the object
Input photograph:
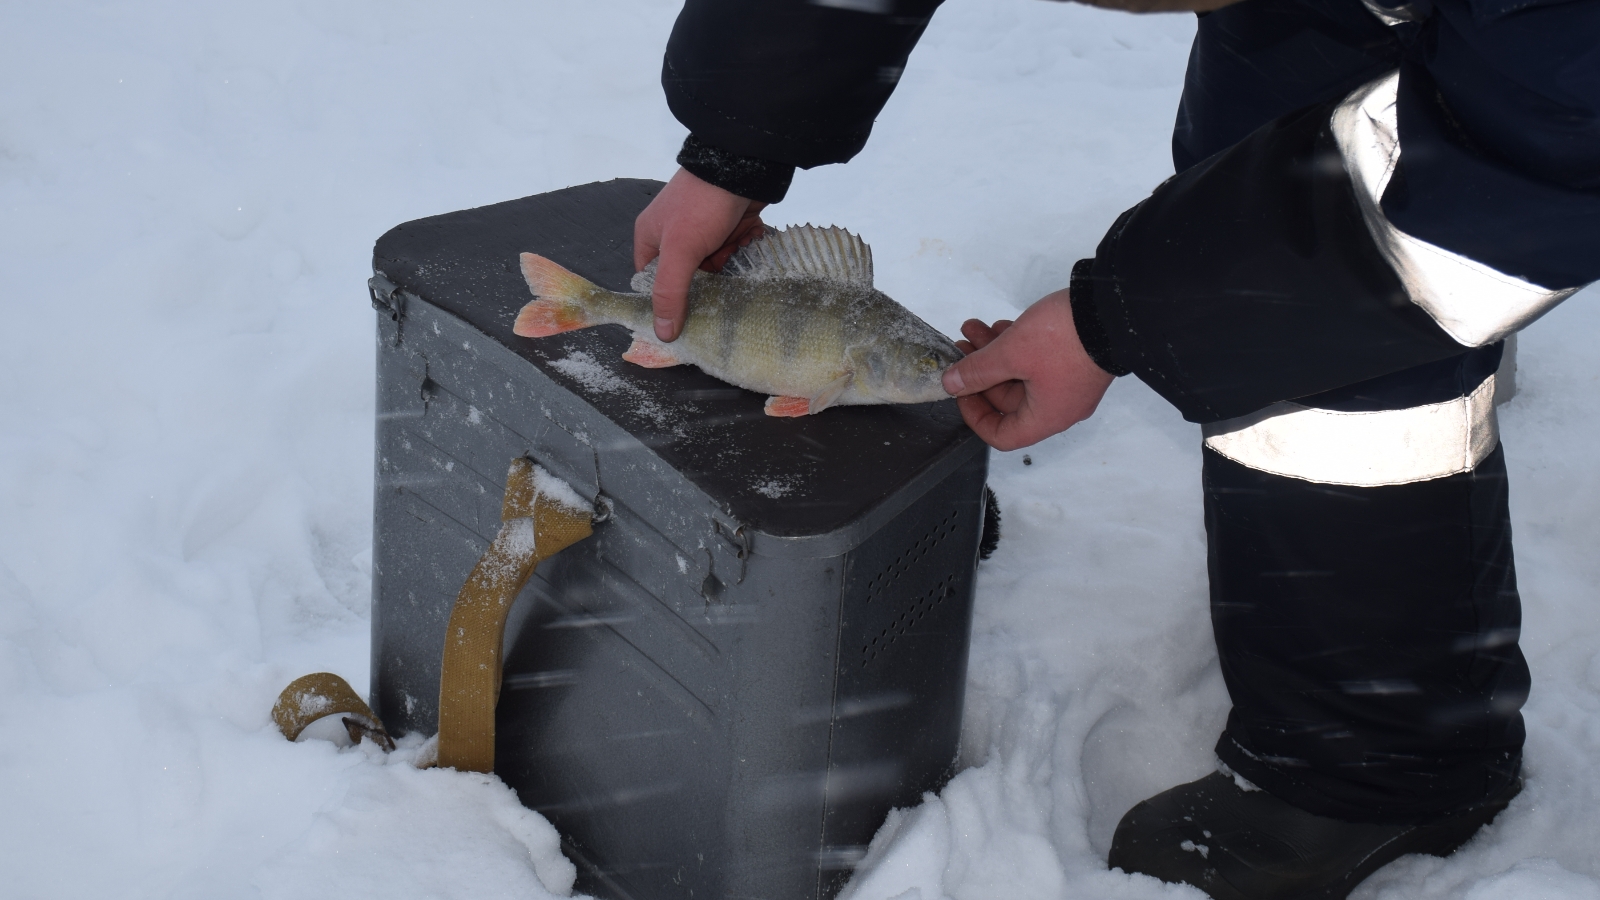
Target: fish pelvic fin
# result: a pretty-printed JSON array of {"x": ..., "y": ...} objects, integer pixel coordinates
[
  {"x": 559, "y": 297},
  {"x": 651, "y": 355},
  {"x": 830, "y": 394},
  {"x": 791, "y": 407},
  {"x": 787, "y": 407}
]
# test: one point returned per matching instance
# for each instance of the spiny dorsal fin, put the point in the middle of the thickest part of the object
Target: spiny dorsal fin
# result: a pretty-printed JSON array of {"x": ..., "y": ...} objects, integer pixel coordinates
[{"x": 805, "y": 251}]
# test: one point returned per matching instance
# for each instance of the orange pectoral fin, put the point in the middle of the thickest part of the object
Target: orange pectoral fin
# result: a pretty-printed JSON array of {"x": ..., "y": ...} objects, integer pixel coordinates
[
  {"x": 650, "y": 355},
  {"x": 788, "y": 407},
  {"x": 831, "y": 393}
]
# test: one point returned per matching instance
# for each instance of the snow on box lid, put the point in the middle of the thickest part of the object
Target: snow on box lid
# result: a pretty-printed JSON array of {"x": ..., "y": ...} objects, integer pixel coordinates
[{"x": 785, "y": 477}]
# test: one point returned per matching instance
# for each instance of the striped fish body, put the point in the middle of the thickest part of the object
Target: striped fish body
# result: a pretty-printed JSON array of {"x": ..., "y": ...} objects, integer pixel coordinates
[{"x": 794, "y": 316}]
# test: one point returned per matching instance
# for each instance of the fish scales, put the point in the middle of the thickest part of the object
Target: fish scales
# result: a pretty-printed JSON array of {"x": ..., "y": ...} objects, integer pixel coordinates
[
  {"x": 754, "y": 337},
  {"x": 794, "y": 315}
]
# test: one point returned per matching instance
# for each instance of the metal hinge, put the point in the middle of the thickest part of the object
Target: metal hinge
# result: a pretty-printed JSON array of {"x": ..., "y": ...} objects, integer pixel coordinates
[
  {"x": 736, "y": 540},
  {"x": 728, "y": 540},
  {"x": 389, "y": 299}
]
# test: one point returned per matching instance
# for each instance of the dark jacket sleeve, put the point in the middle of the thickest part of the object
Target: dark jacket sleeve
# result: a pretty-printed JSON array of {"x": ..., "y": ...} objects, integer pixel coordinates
[
  {"x": 1252, "y": 277},
  {"x": 1500, "y": 129},
  {"x": 766, "y": 86}
]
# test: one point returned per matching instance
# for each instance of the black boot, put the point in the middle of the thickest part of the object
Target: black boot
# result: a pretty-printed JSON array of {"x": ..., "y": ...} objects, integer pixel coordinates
[{"x": 1236, "y": 844}]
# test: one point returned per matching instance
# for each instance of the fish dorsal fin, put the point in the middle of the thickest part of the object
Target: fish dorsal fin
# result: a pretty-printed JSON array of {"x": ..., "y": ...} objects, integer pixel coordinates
[
  {"x": 644, "y": 281},
  {"x": 805, "y": 251}
]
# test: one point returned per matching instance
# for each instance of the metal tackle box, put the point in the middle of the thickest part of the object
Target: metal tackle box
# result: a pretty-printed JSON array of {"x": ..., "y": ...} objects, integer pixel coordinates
[{"x": 763, "y": 647}]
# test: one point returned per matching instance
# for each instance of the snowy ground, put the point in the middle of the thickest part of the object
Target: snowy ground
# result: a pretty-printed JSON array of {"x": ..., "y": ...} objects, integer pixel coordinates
[{"x": 188, "y": 196}]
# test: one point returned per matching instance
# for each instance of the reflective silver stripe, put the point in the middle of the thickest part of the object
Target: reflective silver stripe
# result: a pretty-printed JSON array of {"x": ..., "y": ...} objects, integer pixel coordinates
[
  {"x": 1397, "y": 14},
  {"x": 1363, "y": 449},
  {"x": 1473, "y": 303}
]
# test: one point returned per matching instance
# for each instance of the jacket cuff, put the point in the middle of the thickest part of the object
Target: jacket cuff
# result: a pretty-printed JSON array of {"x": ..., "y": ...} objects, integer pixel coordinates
[
  {"x": 754, "y": 179},
  {"x": 1086, "y": 319}
]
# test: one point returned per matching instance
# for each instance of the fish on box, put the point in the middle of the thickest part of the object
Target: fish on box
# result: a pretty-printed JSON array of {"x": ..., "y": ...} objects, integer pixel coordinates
[{"x": 793, "y": 315}]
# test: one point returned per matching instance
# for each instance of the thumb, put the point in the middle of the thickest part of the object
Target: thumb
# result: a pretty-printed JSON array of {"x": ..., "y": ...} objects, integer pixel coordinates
[
  {"x": 669, "y": 299},
  {"x": 979, "y": 371}
]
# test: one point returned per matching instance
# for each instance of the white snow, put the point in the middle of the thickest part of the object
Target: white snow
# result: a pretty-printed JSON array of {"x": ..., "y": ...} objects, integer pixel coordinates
[
  {"x": 582, "y": 367},
  {"x": 774, "y": 488},
  {"x": 552, "y": 488},
  {"x": 188, "y": 198},
  {"x": 518, "y": 538}
]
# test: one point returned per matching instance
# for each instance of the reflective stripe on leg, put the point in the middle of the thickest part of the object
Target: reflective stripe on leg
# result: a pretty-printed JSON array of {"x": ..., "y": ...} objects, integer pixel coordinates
[{"x": 1363, "y": 449}]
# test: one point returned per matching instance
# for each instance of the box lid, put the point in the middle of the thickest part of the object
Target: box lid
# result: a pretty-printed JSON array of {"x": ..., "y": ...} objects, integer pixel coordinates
[{"x": 784, "y": 477}]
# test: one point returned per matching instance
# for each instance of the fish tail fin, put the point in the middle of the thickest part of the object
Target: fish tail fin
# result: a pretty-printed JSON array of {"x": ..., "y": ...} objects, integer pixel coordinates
[{"x": 559, "y": 299}]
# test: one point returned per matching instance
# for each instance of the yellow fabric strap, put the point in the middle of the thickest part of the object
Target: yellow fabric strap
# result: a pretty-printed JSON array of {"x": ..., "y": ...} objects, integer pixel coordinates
[
  {"x": 315, "y": 696},
  {"x": 534, "y": 527}
]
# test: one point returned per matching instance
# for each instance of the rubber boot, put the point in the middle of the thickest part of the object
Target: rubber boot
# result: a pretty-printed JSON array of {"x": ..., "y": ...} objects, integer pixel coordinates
[{"x": 1238, "y": 844}]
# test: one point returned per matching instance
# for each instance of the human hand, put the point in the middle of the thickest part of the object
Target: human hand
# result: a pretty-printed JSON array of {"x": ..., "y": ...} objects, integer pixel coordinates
[
  {"x": 689, "y": 225},
  {"x": 1024, "y": 381}
]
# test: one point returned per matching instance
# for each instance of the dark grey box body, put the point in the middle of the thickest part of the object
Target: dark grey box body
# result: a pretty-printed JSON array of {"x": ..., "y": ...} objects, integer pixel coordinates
[{"x": 763, "y": 647}]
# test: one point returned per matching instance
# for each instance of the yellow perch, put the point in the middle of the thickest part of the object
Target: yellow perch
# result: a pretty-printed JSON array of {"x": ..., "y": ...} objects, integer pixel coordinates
[{"x": 793, "y": 315}]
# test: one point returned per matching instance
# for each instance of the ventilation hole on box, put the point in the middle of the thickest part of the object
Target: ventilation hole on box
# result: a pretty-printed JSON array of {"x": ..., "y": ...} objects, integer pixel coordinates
[
  {"x": 907, "y": 620},
  {"x": 913, "y": 555}
]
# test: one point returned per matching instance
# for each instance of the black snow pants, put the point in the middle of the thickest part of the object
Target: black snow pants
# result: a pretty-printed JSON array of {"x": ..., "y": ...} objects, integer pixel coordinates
[
  {"x": 1368, "y": 200},
  {"x": 1368, "y": 635}
]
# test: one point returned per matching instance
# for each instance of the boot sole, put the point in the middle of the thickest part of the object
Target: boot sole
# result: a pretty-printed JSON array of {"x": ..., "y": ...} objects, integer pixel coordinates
[{"x": 1439, "y": 838}]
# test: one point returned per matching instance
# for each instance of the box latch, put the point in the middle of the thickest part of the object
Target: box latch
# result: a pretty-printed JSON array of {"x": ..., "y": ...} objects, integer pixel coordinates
[
  {"x": 388, "y": 299},
  {"x": 732, "y": 541}
]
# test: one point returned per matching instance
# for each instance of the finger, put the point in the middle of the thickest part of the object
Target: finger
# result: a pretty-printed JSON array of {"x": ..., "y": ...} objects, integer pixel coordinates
[
  {"x": 965, "y": 347},
  {"x": 669, "y": 299},
  {"x": 1018, "y": 430},
  {"x": 980, "y": 416},
  {"x": 998, "y": 430},
  {"x": 643, "y": 252},
  {"x": 646, "y": 242},
  {"x": 1007, "y": 397},
  {"x": 982, "y": 335},
  {"x": 979, "y": 371},
  {"x": 748, "y": 230},
  {"x": 977, "y": 331},
  {"x": 982, "y": 339},
  {"x": 1002, "y": 431},
  {"x": 717, "y": 260}
]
